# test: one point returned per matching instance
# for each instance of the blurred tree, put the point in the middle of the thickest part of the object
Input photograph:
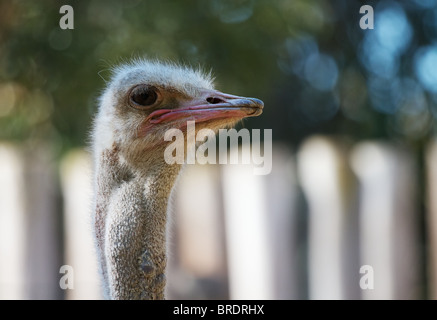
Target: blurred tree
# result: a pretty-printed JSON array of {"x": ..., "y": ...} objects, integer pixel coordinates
[{"x": 316, "y": 70}]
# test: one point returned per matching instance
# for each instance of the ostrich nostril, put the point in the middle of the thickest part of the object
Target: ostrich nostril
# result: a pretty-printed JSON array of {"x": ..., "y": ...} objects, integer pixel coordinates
[{"x": 214, "y": 100}]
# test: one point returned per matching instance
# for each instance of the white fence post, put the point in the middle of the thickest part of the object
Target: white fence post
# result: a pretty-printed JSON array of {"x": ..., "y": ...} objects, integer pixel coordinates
[
  {"x": 30, "y": 243},
  {"x": 12, "y": 221},
  {"x": 388, "y": 220},
  {"x": 329, "y": 189},
  {"x": 197, "y": 263},
  {"x": 259, "y": 220},
  {"x": 80, "y": 253}
]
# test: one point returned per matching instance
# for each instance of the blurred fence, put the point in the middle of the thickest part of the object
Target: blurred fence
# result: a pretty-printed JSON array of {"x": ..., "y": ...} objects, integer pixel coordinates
[{"x": 331, "y": 221}]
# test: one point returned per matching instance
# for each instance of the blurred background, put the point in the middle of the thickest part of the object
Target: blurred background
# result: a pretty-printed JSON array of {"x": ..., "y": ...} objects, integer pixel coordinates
[{"x": 349, "y": 210}]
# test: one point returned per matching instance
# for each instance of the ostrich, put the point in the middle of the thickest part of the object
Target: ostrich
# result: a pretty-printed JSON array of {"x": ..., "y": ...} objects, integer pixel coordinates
[{"x": 132, "y": 181}]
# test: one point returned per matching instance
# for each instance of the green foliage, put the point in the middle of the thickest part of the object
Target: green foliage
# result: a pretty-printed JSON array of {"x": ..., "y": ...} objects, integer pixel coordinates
[{"x": 305, "y": 59}]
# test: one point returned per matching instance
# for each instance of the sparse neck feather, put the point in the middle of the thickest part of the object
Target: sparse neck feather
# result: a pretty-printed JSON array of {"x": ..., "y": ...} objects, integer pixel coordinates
[{"x": 130, "y": 221}]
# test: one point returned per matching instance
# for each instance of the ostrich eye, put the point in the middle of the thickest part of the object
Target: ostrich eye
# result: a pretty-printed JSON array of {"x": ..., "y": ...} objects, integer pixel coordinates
[{"x": 143, "y": 96}]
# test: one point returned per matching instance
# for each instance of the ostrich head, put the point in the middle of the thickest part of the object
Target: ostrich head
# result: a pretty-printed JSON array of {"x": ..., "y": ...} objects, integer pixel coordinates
[
  {"x": 132, "y": 181},
  {"x": 145, "y": 99}
]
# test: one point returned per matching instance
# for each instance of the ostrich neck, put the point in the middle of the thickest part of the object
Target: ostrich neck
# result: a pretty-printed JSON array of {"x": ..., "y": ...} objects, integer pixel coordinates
[{"x": 130, "y": 223}]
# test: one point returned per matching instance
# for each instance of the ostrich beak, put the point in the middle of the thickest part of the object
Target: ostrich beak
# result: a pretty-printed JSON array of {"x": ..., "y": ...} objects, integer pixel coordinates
[{"x": 210, "y": 105}]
